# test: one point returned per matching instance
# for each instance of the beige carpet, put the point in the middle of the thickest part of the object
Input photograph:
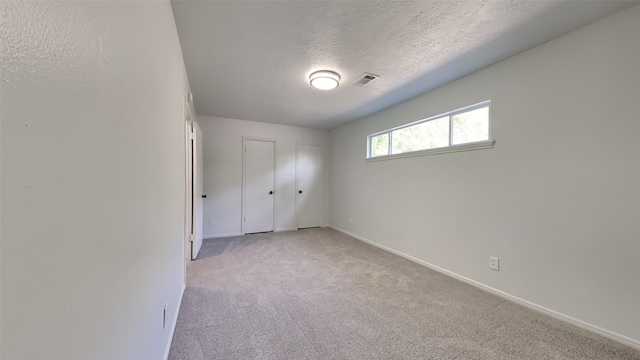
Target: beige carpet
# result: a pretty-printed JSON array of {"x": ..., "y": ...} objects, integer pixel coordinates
[{"x": 318, "y": 294}]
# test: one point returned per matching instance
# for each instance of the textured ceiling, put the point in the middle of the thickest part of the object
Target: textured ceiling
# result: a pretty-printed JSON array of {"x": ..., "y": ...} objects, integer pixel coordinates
[{"x": 251, "y": 60}]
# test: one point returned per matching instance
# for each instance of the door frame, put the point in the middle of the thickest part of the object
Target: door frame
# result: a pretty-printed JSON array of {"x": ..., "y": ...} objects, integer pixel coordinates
[
  {"x": 298, "y": 143},
  {"x": 197, "y": 169},
  {"x": 188, "y": 204},
  {"x": 244, "y": 176}
]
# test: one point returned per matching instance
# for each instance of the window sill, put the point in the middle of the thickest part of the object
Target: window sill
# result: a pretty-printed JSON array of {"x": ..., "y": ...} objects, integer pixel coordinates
[{"x": 488, "y": 144}]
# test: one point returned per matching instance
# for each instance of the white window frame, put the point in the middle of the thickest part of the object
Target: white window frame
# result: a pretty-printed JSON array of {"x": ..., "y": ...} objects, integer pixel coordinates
[{"x": 476, "y": 145}]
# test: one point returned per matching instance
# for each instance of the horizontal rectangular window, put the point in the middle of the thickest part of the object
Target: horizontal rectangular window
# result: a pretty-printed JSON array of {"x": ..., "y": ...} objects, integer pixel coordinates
[{"x": 468, "y": 125}]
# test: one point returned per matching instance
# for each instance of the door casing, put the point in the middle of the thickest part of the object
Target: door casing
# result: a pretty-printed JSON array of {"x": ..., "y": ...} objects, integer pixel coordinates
[{"x": 197, "y": 189}]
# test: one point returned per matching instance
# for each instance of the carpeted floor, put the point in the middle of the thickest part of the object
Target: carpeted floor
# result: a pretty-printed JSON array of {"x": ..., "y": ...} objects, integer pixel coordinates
[{"x": 318, "y": 294}]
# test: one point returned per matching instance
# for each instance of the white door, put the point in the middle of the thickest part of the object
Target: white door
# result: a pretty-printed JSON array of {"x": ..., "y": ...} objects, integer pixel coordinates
[
  {"x": 197, "y": 190},
  {"x": 309, "y": 183},
  {"x": 259, "y": 185}
]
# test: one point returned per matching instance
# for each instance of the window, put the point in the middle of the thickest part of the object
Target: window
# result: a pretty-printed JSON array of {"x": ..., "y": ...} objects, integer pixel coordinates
[{"x": 462, "y": 129}]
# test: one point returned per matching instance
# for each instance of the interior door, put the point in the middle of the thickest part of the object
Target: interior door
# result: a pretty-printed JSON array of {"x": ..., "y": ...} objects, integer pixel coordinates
[
  {"x": 259, "y": 186},
  {"x": 197, "y": 190},
  {"x": 309, "y": 183}
]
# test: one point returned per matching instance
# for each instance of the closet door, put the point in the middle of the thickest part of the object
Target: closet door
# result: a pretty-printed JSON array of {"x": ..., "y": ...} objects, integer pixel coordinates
[
  {"x": 259, "y": 186},
  {"x": 309, "y": 194}
]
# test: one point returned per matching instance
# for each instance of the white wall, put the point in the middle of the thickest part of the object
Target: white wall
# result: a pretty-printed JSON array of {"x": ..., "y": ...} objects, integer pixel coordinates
[
  {"x": 92, "y": 179},
  {"x": 557, "y": 199},
  {"x": 223, "y": 171}
]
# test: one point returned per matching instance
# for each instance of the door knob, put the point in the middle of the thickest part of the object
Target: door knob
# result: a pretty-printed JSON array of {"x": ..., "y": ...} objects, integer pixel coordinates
[
  {"x": 204, "y": 196},
  {"x": 270, "y": 192},
  {"x": 299, "y": 191}
]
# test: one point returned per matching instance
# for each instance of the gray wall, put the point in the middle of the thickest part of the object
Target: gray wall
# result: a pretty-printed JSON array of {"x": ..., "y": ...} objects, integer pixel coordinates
[
  {"x": 93, "y": 179},
  {"x": 557, "y": 199},
  {"x": 223, "y": 171}
]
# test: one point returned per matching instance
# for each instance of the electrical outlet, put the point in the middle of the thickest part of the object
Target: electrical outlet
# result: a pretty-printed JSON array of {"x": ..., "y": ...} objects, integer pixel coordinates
[
  {"x": 350, "y": 221},
  {"x": 494, "y": 263},
  {"x": 210, "y": 221}
]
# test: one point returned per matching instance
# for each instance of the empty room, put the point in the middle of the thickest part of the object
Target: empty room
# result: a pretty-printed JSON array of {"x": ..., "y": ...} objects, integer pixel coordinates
[{"x": 193, "y": 180}]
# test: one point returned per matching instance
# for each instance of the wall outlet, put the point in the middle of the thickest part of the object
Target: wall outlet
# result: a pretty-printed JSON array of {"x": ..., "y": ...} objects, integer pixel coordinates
[
  {"x": 494, "y": 263},
  {"x": 350, "y": 221},
  {"x": 210, "y": 221},
  {"x": 164, "y": 316}
]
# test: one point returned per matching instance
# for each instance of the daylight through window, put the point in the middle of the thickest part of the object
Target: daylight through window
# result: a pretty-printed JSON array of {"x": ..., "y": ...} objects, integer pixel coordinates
[{"x": 463, "y": 126}]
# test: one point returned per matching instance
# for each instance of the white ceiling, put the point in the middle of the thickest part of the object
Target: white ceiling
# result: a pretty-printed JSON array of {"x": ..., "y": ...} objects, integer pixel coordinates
[{"x": 251, "y": 60}]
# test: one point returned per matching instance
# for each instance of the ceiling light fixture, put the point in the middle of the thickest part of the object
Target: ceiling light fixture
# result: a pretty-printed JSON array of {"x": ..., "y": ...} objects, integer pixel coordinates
[{"x": 324, "y": 80}]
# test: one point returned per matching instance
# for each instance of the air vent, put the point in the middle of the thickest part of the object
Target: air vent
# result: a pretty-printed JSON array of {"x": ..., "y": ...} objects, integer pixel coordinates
[{"x": 364, "y": 79}]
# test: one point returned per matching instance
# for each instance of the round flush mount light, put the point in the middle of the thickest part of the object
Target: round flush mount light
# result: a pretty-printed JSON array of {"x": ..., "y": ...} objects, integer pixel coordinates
[{"x": 324, "y": 80}]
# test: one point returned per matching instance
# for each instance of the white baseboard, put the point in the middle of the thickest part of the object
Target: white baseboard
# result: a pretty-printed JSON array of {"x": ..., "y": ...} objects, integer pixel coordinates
[
  {"x": 174, "y": 323},
  {"x": 634, "y": 343},
  {"x": 215, "y": 236}
]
